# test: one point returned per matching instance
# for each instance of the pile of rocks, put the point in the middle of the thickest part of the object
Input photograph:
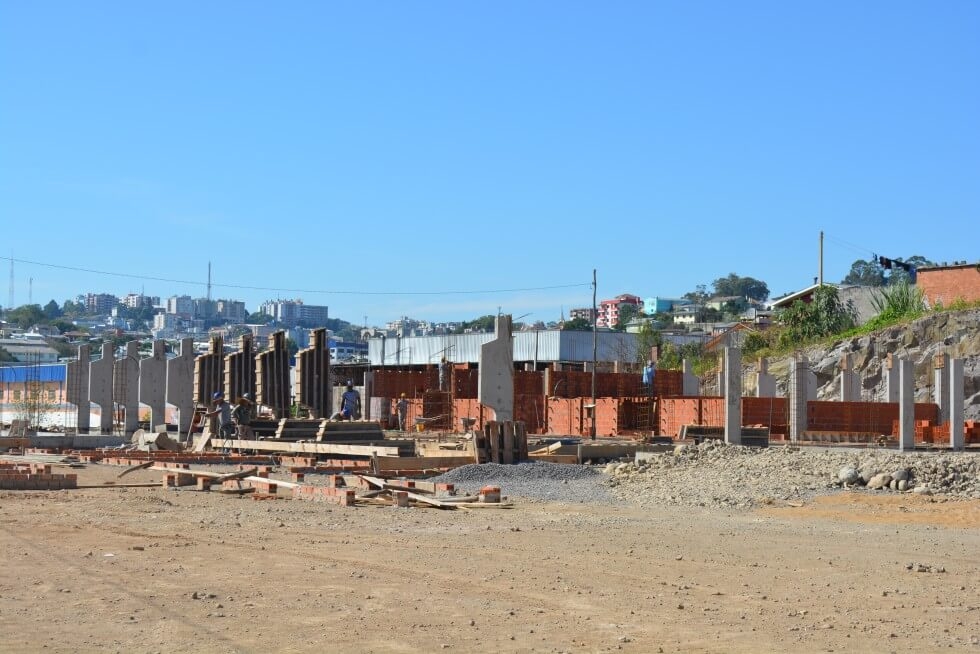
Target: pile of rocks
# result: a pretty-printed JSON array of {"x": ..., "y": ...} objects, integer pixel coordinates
[{"x": 720, "y": 475}]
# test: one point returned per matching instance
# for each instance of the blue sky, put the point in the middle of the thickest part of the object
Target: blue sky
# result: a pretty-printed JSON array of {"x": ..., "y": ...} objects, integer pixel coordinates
[{"x": 378, "y": 157}]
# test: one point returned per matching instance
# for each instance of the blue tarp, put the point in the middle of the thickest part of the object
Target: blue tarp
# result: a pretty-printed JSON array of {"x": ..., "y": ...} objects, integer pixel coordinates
[{"x": 14, "y": 374}]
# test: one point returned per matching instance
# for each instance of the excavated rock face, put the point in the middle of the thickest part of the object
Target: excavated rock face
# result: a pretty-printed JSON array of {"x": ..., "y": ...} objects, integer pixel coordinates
[{"x": 954, "y": 333}]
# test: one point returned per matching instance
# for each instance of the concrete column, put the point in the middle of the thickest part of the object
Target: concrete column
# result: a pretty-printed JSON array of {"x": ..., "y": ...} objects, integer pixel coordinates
[
  {"x": 721, "y": 376},
  {"x": 765, "y": 384},
  {"x": 100, "y": 387},
  {"x": 956, "y": 415},
  {"x": 690, "y": 385},
  {"x": 126, "y": 385},
  {"x": 812, "y": 385},
  {"x": 890, "y": 373},
  {"x": 272, "y": 374},
  {"x": 496, "y": 372},
  {"x": 77, "y": 388},
  {"x": 940, "y": 390},
  {"x": 798, "y": 396},
  {"x": 733, "y": 395},
  {"x": 850, "y": 384},
  {"x": 906, "y": 405},
  {"x": 153, "y": 384},
  {"x": 180, "y": 384}
]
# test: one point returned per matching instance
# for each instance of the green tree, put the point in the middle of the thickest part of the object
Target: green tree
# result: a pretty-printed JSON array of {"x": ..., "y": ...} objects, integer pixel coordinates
[
  {"x": 577, "y": 325},
  {"x": 258, "y": 318},
  {"x": 482, "y": 324},
  {"x": 72, "y": 309},
  {"x": 52, "y": 310},
  {"x": 824, "y": 315},
  {"x": 647, "y": 339},
  {"x": 865, "y": 273},
  {"x": 27, "y": 315},
  {"x": 626, "y": 313},
  {"x": 292, "y": 346},
  {"x": 734, "y": 285}
]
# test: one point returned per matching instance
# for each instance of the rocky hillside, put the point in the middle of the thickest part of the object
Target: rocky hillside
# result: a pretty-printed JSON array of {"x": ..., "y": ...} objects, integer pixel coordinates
[{"x": 954, "y": 333}]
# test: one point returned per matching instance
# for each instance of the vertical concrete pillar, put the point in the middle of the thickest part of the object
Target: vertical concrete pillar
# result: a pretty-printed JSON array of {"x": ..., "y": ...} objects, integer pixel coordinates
[
  {"x": 812, "y": 385},
  {"x": 272, "y": 374},
  {"x": 798, "y": 397},
  {"x": 721, "y": 376},
  {"x": 153, "y": 384},
  {"x": 850, "y": 385},
  {"x": 765, "y": 384},
  {"x": 940, "y": 390},
  {"x": 100, "y": 387},
  {"x": 906, "y": 405},
  {"x": 313, "y": 389},
  {"x": 126, "y": 386},
  {"x": 733, "y": 395},
  {"x": 690, "y": 385},
  {"x": 496, "y": 373},
  {"x": 209, "y": 372},
  {"x": 956, "y": 415},
  {"x": 77, "y": 379},
  {"x": 180, "y": 384},
  {"x": 890, "y": 372},
  {"x": 240, "y": 370}
]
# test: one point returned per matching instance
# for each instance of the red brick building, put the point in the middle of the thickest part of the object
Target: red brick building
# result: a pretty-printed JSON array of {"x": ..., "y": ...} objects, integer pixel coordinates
[{"x": 948, "y": 284}]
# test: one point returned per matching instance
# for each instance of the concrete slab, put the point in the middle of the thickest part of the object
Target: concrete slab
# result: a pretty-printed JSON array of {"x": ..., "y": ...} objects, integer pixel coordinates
[
  {"x": 496, "y": 372},
  {"x": 153, "y": 383},
  {"x": 100, "y": 387}
]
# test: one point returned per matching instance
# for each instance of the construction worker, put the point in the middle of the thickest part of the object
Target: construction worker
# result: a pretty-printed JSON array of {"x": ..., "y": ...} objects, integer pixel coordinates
[
  {"x": 350, "y": 404},
  {"x": 226, "y": 428},
  {"x": 401, "y": 408},
  {"x": 649, "y": 373},
  {"x": 241, "y": 415}
]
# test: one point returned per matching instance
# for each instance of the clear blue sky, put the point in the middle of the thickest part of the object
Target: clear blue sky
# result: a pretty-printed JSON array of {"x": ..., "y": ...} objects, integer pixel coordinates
[{"x": 416, "y": 147}]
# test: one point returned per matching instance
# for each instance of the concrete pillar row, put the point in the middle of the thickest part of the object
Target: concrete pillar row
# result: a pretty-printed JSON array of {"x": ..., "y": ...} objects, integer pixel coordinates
[
  {"x": 798, "y": 396},
  {"x": 153, "y": 383},
  {"x": 78, "y": 391},
  {"x": 890, "y": 373},
  {"x": 941, "y": 387},
  {"x": 690, "y": 385},
  {"x": 765, "y": 384},
  {"x": 906, "y": 405},
  {"x": 495, "y": 386},
  {"x": 180, "y": 384},
  {"x": 956, "y": 410},
  {"x": 850, "y": 384},
  {"x": 126, "y": 386},
  {"x": 100, "y": 387},
  {"x": 733, "y": 395}
]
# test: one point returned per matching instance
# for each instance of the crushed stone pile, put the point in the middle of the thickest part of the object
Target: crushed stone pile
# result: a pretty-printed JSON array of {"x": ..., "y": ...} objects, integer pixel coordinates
[
  {"x": 549, "y": 482},
  {"x": 714, "y": 474}
]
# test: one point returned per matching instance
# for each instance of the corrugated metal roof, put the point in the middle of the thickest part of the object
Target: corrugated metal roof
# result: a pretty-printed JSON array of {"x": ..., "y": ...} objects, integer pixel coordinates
[
  {"x": 14, "y": 374},
  {"x": 547, "y": 345}
]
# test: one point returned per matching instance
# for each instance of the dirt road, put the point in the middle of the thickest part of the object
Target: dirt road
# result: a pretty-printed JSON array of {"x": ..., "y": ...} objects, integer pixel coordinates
[{"x": 154, "y": 570}]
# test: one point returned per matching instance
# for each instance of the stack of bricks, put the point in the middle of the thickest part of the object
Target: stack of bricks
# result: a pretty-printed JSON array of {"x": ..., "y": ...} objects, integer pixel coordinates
[
  {"x": 19, "y": 476},
  {"x": 341, "y": 496}
]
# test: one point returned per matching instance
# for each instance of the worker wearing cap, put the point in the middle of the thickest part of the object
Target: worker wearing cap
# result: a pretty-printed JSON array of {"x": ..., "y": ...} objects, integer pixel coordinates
[
  {"x": 226, "y": 428},
  {"x": 401, "y": 408},
  {"x": 242, "y": 416}
]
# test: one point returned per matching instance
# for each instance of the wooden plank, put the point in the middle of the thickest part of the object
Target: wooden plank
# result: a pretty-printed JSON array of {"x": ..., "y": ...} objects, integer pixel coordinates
[
  {"x": 215, "y": 475},
  {"x": 508, "y": 449},
  {"x": 421, "y": 462},
  {"x": 553, "y": 458},
  {"x": 313, "y": 448},
  {"x": 134, "y": 468},
  {"x": 431, "y": 501},
  {"x": 241, "y": 474}
]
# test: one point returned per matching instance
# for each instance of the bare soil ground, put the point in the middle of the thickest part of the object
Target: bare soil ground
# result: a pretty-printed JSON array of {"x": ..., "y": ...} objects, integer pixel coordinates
[{"x": 155, "y": 570}]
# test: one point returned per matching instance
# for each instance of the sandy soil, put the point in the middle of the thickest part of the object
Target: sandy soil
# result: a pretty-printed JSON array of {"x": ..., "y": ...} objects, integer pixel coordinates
[{"x": 154, "y": 570}]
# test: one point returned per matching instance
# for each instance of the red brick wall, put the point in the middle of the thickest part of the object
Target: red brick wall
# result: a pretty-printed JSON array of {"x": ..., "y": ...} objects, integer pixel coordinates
[{"x": 946, "y": 285}]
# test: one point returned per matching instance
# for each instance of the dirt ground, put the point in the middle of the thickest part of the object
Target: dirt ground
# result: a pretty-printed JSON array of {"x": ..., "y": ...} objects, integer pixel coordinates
[{"x": 155, "y": 570}]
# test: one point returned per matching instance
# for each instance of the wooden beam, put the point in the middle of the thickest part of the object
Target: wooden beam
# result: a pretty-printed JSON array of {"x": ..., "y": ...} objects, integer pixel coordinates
[
  {"x": 312, "y": 448},
  {"x": 421, "y": 462}
]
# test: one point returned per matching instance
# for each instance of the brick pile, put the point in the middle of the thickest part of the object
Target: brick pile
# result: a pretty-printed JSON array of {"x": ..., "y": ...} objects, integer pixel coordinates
[{"x": 33, "y": 476}]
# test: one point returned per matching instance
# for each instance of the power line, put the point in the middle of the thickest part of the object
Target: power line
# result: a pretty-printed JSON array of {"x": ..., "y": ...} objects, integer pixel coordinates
[{"x": 289, "y": 290}]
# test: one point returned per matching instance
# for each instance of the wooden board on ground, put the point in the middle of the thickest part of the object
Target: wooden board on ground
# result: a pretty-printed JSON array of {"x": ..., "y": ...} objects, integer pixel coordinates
[
  {"x": 421, "y": 462},
  {"x": 312, "y": 448},
  {"x": 553, "y": 458}
]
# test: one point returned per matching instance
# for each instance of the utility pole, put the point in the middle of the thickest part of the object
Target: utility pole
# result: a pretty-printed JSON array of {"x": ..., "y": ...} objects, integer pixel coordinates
[
  {"x": 595, "y": 350},
  {"x": 820, "y": 270}
]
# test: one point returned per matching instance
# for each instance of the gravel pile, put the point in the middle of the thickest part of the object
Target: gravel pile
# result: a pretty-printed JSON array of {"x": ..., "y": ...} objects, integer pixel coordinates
[
  {"x": 714, "y": 474},
  {"x": 538, "y": 480}
]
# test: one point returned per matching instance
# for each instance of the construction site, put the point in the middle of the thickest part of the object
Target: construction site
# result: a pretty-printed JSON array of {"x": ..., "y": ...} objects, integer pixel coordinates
[{"x": 492, "y": 505}]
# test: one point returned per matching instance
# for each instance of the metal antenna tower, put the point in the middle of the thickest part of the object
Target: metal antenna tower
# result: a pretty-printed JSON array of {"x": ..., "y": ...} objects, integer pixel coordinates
[
  {"x": 209, "y": 281},
  {"x": 30, "y": 290}
]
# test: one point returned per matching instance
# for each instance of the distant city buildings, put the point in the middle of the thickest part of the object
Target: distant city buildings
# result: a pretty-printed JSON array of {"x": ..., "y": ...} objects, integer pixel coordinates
[
  {"x": 296, "y": 313},
  {"x": 609, "y": 309},
  {"x": 100, "y": 303}
]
